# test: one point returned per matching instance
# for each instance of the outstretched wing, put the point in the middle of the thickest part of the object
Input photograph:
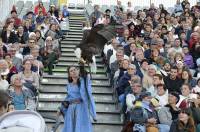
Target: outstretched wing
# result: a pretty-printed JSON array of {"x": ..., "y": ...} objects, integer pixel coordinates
[{"x": 108, "y": 32}]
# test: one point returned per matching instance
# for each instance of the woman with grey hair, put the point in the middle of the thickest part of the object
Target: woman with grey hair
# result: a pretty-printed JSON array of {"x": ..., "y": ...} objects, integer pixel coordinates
[
  {"x": 21, "y": 97},
  {"x": 148, "y": 78}
]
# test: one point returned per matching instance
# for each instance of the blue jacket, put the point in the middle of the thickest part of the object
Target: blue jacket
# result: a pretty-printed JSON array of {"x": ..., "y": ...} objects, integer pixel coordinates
[{"x": 123, "y": 83}]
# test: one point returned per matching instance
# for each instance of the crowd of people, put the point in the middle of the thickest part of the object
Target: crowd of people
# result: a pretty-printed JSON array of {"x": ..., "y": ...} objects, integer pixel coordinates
[
  {"x": 28, "y": 47},
  {"x": 154, "y": 65}
]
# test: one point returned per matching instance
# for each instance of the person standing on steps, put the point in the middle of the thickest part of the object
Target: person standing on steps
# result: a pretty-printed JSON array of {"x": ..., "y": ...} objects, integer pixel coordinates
[{"x": 79, "y": 104}]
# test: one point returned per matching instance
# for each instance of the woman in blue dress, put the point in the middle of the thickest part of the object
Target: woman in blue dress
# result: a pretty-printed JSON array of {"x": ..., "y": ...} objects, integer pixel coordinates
[{"x": 80, "y": 102}]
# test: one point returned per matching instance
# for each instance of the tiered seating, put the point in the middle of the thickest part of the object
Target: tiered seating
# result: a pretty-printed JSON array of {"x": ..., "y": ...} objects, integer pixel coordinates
[
  {"x": 19, "y": 6},
  {"x": 28, "y": 6}
]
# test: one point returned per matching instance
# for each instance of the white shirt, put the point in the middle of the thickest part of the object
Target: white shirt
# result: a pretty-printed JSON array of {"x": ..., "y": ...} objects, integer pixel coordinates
[
  {"x": 113, "y": 58},
  {"x": 163, "y": 99},
  {"x": 4, "y": 84},
  {"x": 130, "y": 98}
]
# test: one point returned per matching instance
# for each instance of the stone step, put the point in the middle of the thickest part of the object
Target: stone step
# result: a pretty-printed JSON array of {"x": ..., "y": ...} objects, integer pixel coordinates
[
  {"x": 65, "y": 64},
  {"x": 65, "y": 59},
  {"x": 53, "y": 81},
  {"x": 76, "y": 22},
  {"x": 101, "y": 116},
  {"x": 100, "y": 107},
  {"x": 76, "y": 25},
  {"x": 96, "y": 127},
  {"x": 67, "y": 41},
  {"x": 67, "y": 50},
  {"x": 61, "y": 69},
  {"x": 52, "y": 97},
  {"x": 75, "y": 33},
  {"x": 63, "y": 45},
  {"x": 74, "y": 36},
  {"x": 73, "y": 55},
  {"x": 65, "y": 76},
  {"x": 73, "y": 39},
  {"x": 95, "y": 82},
  {"x": 77, "y": 19},
  {"x": 62, "y": 89}
]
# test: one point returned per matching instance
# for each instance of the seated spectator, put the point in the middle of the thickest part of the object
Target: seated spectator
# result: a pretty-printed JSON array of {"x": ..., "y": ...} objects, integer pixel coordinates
[
  {"x": 20, "y": 96},
  {"x": 39, "y": 8},
  {"x": 49, "y": 57},
  {"x": 184, "y": 122},
  {"x": 144, "y": 64},
  {"x": 188, "y": 79},
  {"x": 188, "y": 59},
  {"x": 178, "y": 7},
  {"x": 172, "y": 82},
  {"x": 30, "y": 17},
  {"x": 52, "y": 31},
  {"x": 3, "y": 49},
  {"x": 65, "y": 12},
  {"x": 17, "y": 21},
  {"x": 123, "y": 40},
  {"x": 37, "y": 65},
  {"x": 136, "y": 90},
  {"x": 177, "y": 45},
  {"x": 8, "y": 35},
  {"x": 29, "y": 78},
  {"x": 118, "y": 16},
  {"x": 147, "y": 81},
  {"x": 130, "y": 49},
  {"x": 114, "y": 66},
  {"x": 60, "y": 17},
  {"x": 122, "y": 70},
  {"x": 156, "y": 80},
  {"x": 95, "y": 15},
  {"x": 4, "y": 101},
  {"x": 30, "y": 45},
  {"x": 16, "y": 57},
  {"x": 39, "y": 39},
  {"x": 3, "y": 82},
  {"x": 197, "y": 73},
  {"x": 151, "y": 118},
  {"x": 162, "y": 95},
  {"x": 180, "y": 66},
  {"x": 196, "y": 89},
  {"x": 129, "y": 7},
  {"x": 109, "y": 16},
  {"x": 169, "y": 112},
  {"x": 22, "y": 36},
  {"x": 6, "y": 72},
  {"x": 12, "y": 68},
  {"x": 27, "y": 26},
  {"x": 40, "y": 18},
  {"x": 53, "y": 11},
  {"x": 124, "y": 80},
  {"x": 186, "y": 97}
]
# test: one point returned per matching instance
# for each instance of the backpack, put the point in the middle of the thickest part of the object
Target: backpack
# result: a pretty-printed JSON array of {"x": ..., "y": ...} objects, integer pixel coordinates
[{"x": 138, "y": 115}]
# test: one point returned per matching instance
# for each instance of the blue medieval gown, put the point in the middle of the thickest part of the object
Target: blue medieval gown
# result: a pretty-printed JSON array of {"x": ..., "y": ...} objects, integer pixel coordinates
[{"x": 77, "y": 116}]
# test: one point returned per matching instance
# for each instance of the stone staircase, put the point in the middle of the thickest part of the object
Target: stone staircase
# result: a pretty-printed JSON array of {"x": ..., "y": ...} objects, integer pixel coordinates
[{"x": 53, "y": 86}]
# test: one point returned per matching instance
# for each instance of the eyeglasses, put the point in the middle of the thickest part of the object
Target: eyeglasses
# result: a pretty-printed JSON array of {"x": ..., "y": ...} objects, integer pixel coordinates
[
  {"x": 135, "y": 85},
  {"x": 131, "y": 69},
  {"x": 31, "y": 42}
]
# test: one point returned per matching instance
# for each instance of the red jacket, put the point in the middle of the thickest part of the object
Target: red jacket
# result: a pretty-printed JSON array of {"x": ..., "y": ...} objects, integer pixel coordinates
[{"x": 37, "y": 9}]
